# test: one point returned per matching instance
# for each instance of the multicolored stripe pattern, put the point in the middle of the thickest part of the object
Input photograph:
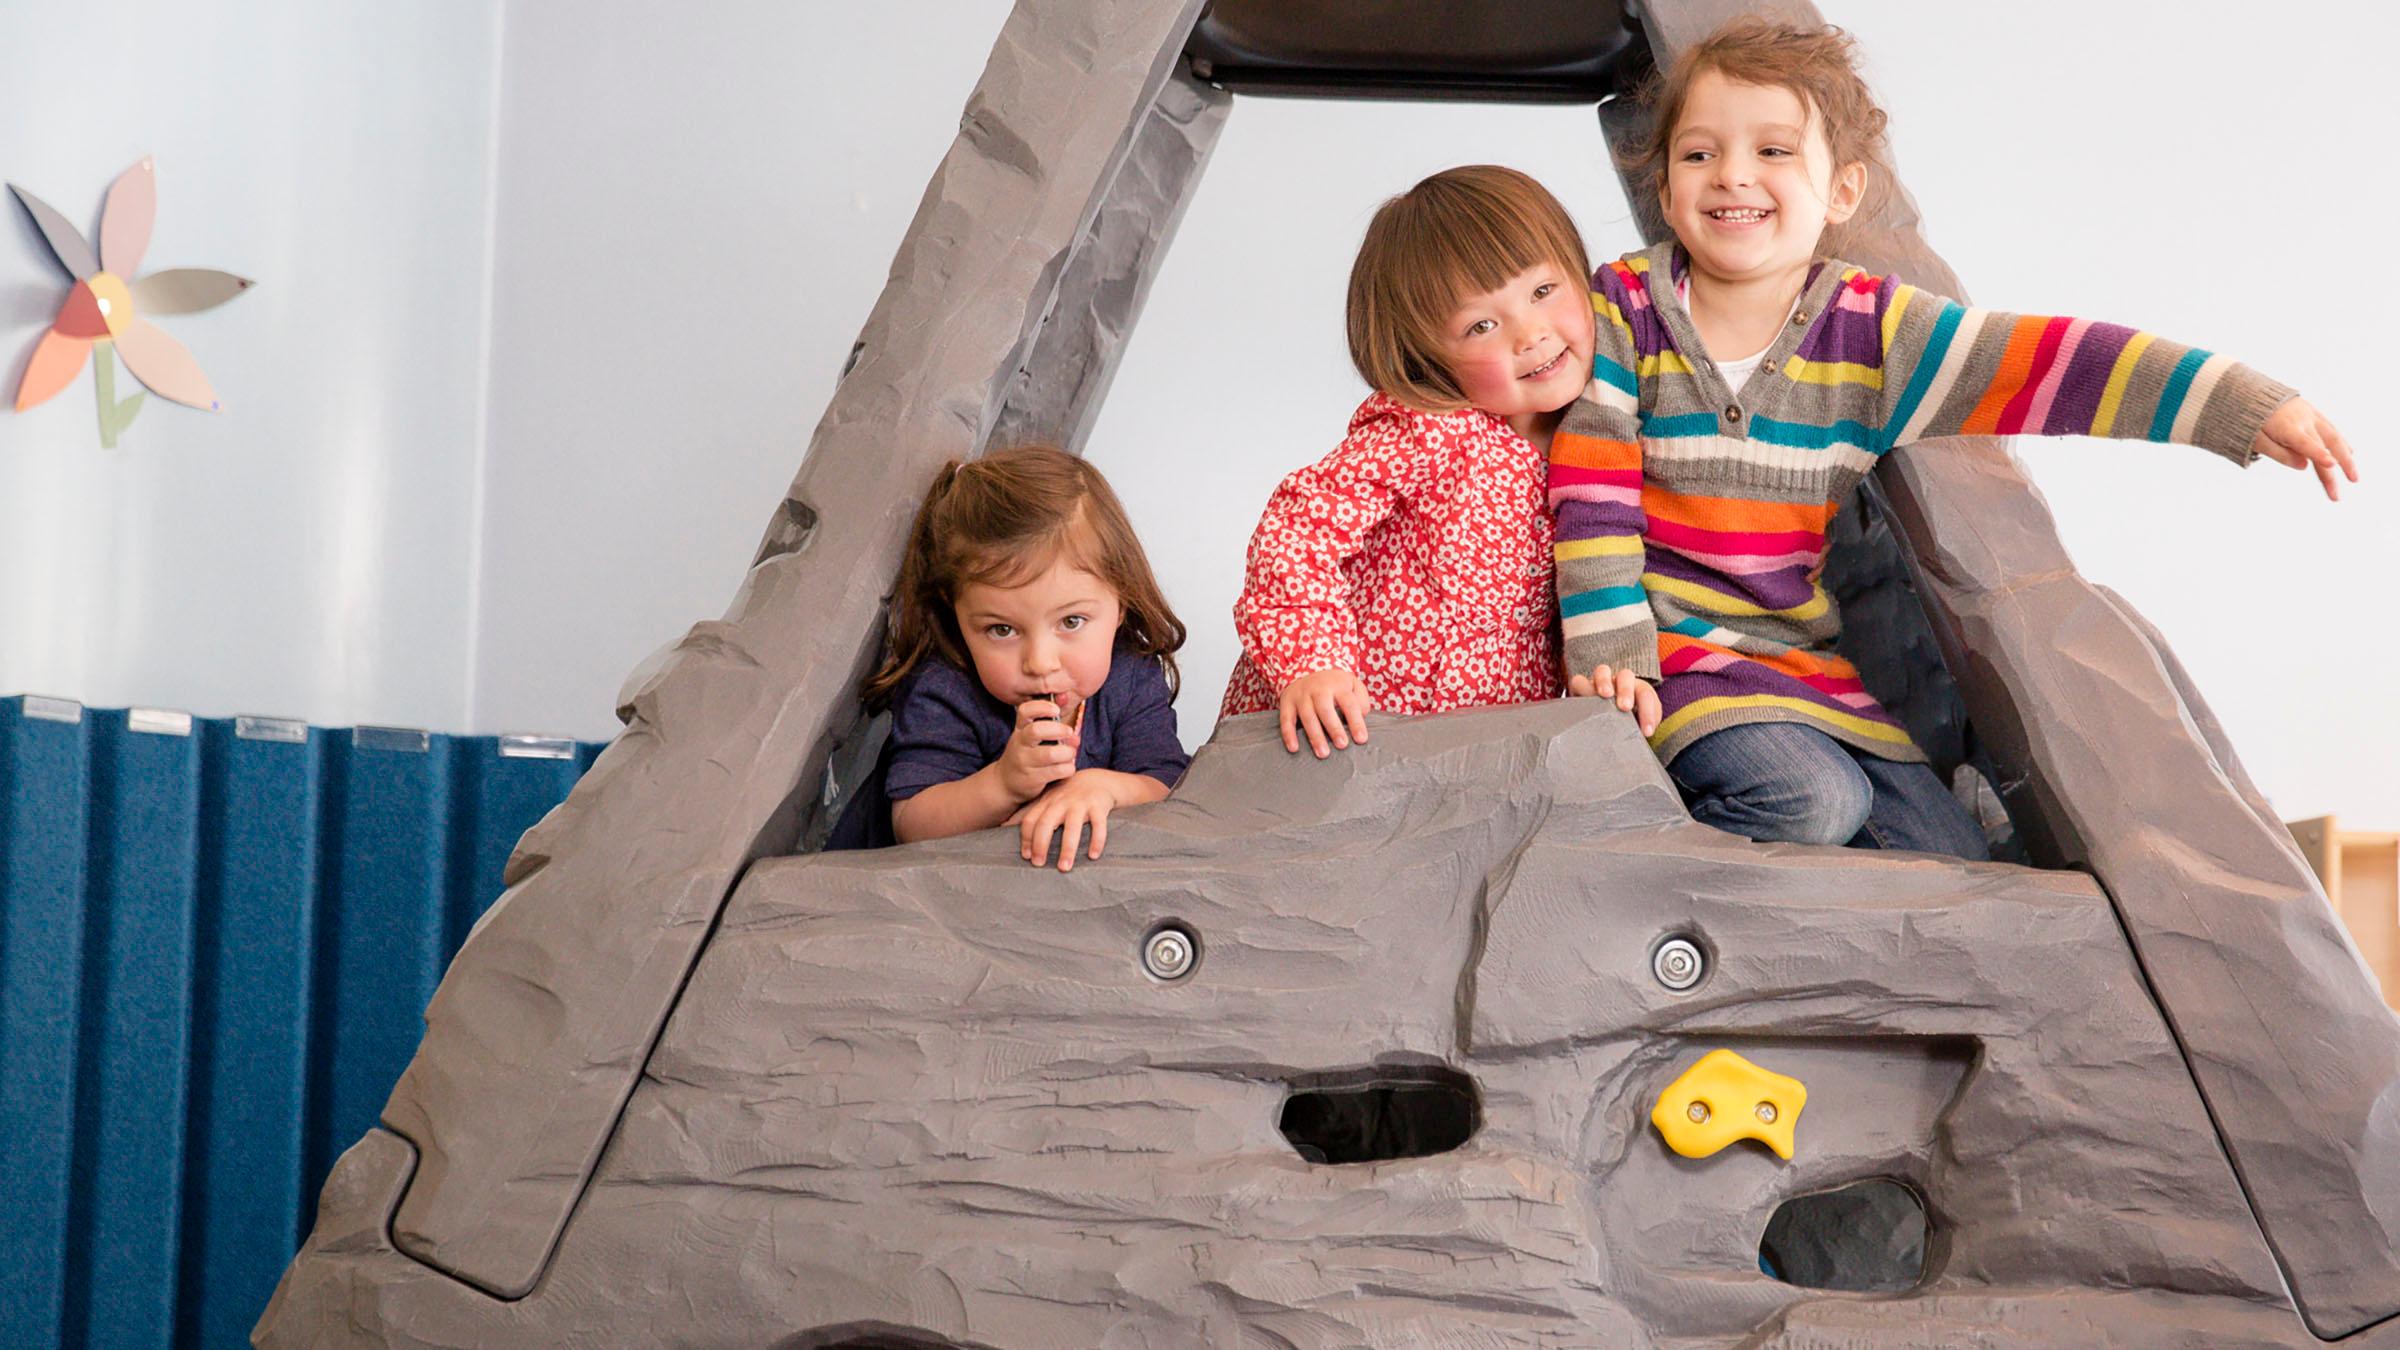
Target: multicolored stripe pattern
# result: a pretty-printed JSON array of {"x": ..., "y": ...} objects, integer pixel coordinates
[{"x": 1691, "y": 517}]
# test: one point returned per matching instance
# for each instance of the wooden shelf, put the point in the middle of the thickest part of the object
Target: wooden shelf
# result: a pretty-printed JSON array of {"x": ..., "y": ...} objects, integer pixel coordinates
[{"x": 2361, "y": 874}]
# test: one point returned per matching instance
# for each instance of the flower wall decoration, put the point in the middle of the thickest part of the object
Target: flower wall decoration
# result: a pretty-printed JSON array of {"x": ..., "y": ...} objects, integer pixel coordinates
[{"x": 106, "y": 307}]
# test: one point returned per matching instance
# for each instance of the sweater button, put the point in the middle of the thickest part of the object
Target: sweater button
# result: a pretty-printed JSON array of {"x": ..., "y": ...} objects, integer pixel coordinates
[
  {"x": 1799, "y": 317},
  {"x": 1733, "y": 412}
]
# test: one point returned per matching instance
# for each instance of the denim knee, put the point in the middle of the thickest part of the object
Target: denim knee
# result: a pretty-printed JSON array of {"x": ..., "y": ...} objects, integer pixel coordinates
[
  {"x": 1832, "y": 809},
  {"x": 1775, "y": 783}
]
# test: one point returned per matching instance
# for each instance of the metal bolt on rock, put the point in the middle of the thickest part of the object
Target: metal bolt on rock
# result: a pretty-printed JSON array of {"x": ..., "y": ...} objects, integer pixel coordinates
[
  {"x": 1678, "y": 963},
  {"x": 1170, "y": 953}
]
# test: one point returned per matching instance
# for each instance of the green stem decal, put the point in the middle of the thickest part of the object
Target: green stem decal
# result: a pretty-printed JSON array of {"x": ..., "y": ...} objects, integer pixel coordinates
[{"x": 114, "y": 416}]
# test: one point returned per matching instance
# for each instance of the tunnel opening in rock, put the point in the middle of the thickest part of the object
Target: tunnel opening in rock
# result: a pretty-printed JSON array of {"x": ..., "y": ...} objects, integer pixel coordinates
[
  {"x": 874, "y": 1336},
  {"x": 1378, "y": 1114},
  {"x": 1866, "y": 1237}
]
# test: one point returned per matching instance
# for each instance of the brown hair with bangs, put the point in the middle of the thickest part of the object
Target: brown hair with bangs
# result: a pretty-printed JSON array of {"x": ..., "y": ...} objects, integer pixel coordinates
[
  {"x": 1817, "y": 63},
  {"x": 1002, "y": 520},
  {"x": 1458, "y": 234}
]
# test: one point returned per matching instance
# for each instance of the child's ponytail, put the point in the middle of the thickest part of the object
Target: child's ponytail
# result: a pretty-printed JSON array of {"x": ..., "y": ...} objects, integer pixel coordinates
[{"x": 919, "y": 610}]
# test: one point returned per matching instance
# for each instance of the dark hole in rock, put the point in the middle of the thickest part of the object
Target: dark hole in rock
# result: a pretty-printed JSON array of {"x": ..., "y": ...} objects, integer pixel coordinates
[
  {"x": 1868, "y": 1236},
  {"x": 1372, "y": 1115},
  {"x": 874, "y": 1336}
]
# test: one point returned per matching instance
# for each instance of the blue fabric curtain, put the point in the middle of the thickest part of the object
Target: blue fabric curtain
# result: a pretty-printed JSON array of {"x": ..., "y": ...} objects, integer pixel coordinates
[{"x": 216, "y": 947}]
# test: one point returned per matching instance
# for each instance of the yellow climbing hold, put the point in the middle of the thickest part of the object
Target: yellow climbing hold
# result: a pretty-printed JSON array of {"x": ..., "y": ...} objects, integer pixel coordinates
[{"x": 1725, "y": 1097}]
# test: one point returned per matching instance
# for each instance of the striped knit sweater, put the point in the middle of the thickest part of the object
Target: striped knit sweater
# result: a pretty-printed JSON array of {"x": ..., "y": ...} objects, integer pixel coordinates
[{"x": 1691, "y": 517}]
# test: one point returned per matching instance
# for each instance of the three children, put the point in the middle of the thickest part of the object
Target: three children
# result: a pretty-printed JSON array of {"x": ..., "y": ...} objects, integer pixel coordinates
[{"x": 1526, "y": 427}]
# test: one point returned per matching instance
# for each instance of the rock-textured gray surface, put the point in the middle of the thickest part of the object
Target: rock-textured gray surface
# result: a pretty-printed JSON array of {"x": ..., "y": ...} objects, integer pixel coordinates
[
  {"x": 932, "y": 1092},
  {"x": 676, "y": 1089},
  {"x": 562, "y": 989},
  {"x": 1056, "y": 395}
]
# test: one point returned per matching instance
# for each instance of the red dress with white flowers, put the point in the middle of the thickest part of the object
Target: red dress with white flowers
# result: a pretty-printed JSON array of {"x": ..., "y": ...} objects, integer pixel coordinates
[{"x": 1416, "y": 556}]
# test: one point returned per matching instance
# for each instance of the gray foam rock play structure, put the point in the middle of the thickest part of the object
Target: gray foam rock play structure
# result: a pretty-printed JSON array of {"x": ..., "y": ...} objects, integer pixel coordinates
[{"x": 688, "y": 1084}]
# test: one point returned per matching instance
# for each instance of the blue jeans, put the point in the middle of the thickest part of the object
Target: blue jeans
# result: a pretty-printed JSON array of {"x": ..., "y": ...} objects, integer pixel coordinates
[{"x": 1780, "y": 781}]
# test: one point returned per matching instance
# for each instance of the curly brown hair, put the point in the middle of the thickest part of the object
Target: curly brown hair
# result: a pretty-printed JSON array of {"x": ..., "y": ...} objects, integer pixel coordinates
[
  {"x": 1002, "y": 520},
  {"x": 1458, "y": 234},
  {"x": 1818, "y": 64}
]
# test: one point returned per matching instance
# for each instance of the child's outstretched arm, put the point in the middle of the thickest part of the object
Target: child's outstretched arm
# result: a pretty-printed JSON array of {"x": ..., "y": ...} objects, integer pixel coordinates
[
  {"x": 1950, "y": 370},
  {"x": 1294, "y": 615},
  {"x": 1596, "y": 497}
]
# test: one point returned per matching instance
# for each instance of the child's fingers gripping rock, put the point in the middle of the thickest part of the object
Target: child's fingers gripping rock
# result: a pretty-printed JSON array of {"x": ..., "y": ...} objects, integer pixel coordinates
[
  {"x": 1072, "y": 817},
  {"x": 1630, "y": 692},
  {"x": 1353, "y": 701},
  {"x": 1034, "y": 824},
  {"x": 1646, "y": 712},
  {"x": 1064, "y": 814},
  {"x": 1600, "y": 683},
  {"x": 1330, "y": 706}
]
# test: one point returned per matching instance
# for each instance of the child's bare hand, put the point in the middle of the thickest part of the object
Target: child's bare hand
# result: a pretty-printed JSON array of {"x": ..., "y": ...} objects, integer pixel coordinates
[
  {"x": 1084, "y": 799},
  {"x": 2298, "y": 436},
  {"x": 1041, "y": 751},
  {"x": 1632, "y": 693},
  {"x": 1328, "y": 705}
]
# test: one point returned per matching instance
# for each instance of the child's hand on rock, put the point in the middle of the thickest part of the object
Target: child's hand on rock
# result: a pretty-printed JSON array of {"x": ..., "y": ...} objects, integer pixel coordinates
[
  {"x": 1084, "y": 799},
  {"x": 2297, "y": 436},
  {"x": 1069, "y": 806},
  {"x": 1330, "y": 705},
  {"x": 1632, "y": 693}
]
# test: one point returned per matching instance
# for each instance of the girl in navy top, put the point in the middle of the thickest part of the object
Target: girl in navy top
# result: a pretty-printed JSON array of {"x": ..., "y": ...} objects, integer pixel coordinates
[{"x": 1030, "y": 666}]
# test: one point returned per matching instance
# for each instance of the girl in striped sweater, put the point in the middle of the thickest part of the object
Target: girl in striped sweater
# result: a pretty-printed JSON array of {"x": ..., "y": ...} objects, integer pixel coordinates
[{"x": 1743, "y": 384}]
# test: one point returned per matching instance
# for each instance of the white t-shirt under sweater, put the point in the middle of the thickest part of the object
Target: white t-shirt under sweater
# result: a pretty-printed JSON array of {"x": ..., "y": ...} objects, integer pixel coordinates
[{"x": 1736, "y": 373}]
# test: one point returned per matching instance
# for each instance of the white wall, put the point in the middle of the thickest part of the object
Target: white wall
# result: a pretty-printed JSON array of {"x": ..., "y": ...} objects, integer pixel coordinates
[
  {"x": 694, "y": 215},
  {"x": 302, "y": 551},
  {"x": 698, "y": 205},
  {"x": 2216, "y": 179}
]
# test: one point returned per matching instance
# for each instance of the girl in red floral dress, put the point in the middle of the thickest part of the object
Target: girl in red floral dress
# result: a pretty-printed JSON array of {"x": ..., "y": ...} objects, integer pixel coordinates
[{"x": 1410, "y": 570}]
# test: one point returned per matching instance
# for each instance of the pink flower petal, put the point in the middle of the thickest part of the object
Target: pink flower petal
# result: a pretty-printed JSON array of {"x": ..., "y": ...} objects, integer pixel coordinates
[
  {"x": 57, "y": 360},
  {"x": 162, "y": 363},
  {"x": 65, "y": 240},
  {"x": 126, "y": 217},
  {"x": 186, "y": 290}
]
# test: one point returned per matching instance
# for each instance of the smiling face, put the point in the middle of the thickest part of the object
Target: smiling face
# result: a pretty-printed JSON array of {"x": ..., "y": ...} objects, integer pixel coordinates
[
  {"x": 1525, "y": 349},
  {"x": 1050, "y": 635},
  {"x": 1751, "y": 185}
]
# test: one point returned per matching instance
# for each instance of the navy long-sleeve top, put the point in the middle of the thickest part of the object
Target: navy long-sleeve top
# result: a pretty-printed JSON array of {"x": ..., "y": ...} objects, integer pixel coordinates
[{"x": 946, "y": 725}]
